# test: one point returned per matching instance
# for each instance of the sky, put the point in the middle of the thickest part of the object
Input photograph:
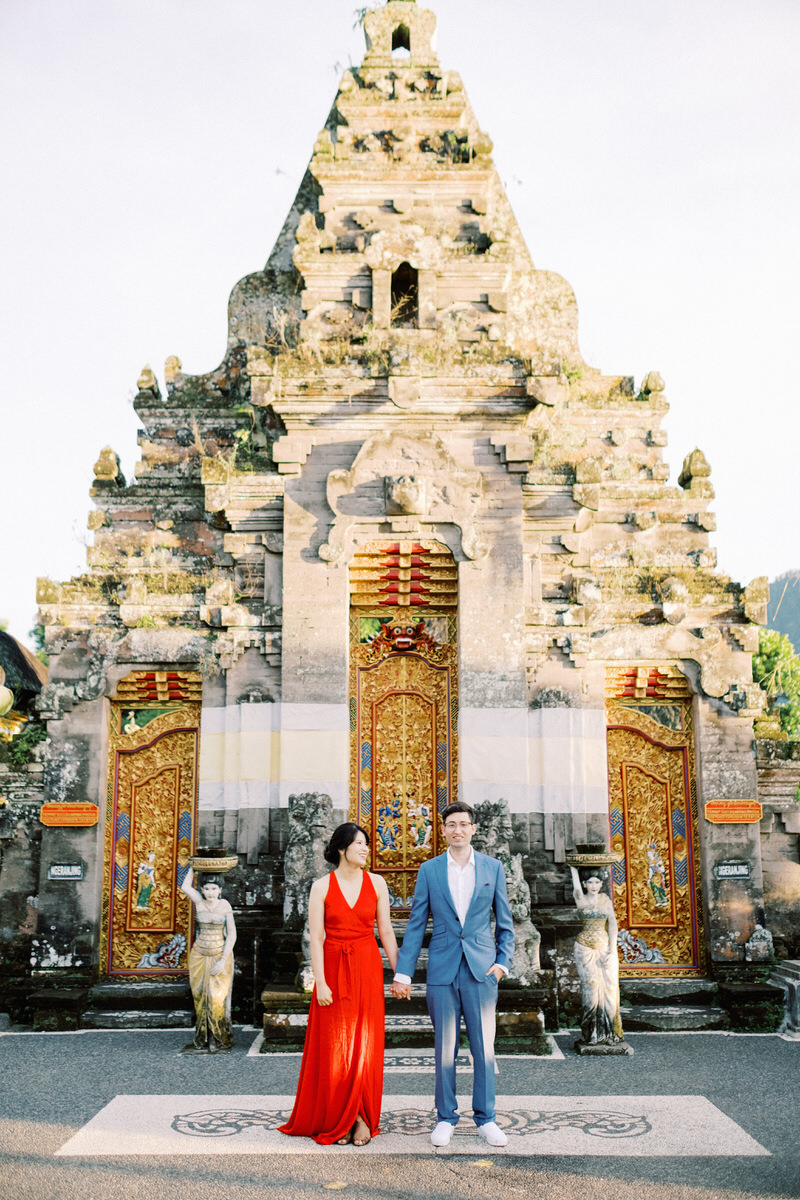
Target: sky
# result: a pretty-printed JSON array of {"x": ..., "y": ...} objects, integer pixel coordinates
[{"x": 151, "y": 150}]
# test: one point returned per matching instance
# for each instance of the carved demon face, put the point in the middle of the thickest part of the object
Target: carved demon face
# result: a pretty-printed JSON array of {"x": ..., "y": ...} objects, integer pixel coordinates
[
  {"x": 405, "y": 494},
  {"x": 402, "y": 637}
]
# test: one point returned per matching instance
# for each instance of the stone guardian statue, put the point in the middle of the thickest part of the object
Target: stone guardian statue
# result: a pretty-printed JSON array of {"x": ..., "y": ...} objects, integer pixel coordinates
[
  {"x": 310, "y": 828},
  {"x": 596, "y": 958},
  {"x": 494, "y": 836}
]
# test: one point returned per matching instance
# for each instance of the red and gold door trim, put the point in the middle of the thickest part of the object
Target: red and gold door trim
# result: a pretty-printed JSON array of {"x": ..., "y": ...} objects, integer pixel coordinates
[
  {"x": 151, "y": 812},
  {"x": 654, "y": 822}
]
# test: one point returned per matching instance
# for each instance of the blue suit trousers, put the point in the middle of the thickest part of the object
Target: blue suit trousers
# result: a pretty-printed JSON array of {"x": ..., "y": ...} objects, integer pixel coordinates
[{"x": 477, "y": 1001}]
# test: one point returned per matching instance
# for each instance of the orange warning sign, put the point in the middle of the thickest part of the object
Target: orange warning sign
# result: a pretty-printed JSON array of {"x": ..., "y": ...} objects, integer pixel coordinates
[
  {"x": 733, "y": 812},
  {"x": 69, "y": 814}
]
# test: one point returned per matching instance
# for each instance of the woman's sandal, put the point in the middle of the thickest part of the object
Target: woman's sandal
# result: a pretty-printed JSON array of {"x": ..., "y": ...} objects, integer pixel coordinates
[
  {"x": 347, "y": 1139},
  {"x": 363, "y": 1139}
]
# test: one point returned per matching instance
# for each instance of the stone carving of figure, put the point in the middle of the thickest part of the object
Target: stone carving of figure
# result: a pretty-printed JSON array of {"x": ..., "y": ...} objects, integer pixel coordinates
[
  {"x": 310, "y": 829},
  {"x": 598, "y": 966},
  {"x": 405, "y": 494},
  {"x": 494, "y": 836},
  {"x": 211, "y": 966}
]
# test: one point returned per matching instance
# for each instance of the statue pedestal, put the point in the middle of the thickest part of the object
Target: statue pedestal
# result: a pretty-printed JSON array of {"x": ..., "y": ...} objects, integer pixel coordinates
[
  {"x": 212, "y": 1048},
  {"x": 603, "y": 1049}
]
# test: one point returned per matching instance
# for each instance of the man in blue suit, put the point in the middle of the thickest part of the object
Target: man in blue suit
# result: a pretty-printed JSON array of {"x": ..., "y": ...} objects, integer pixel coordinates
[{"x": 459, "y": 890}]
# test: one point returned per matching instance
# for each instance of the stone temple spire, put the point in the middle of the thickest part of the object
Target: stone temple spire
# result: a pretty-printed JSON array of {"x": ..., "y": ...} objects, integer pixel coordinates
[
  {"x": 402, "y": 200},
  {"x": 400, "y": 25}
]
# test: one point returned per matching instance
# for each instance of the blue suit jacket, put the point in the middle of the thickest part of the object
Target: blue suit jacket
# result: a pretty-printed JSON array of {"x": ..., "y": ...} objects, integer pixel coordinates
[{"x": 448, "y": 940}]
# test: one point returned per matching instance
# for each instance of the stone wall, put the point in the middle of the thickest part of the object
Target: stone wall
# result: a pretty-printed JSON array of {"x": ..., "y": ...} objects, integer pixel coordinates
[
  {"x": 21, "y": 796},
  {"x": 779, "y": 791}
]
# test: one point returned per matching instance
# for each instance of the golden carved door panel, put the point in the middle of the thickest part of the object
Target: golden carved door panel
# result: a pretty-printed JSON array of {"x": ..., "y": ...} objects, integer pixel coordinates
[
  {"x": 151, "y": 808},
  {"x": 653, "y": 814},
  {"x": 403, "y": 704}
]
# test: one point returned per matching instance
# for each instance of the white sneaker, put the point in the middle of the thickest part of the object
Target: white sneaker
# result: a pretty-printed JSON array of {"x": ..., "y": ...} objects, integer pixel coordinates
[
  {"x": 491, "y": 1134},
  {"x": 442, "y": 1134}
]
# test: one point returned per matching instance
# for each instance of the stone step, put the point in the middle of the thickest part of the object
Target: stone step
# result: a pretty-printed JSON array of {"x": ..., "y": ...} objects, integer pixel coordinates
[
  {"x": 517, "y": 1032},
  {"x": 672, "y": 1018},
  {"x": 786, "y": 976},
  {"x": 147, "y": 994},
  {"x": 516, "y": 999},
  {"x": 137, "y": 1018},
  {"x": 667, "y": 991},
  {"x": 56, "y": 1009}
]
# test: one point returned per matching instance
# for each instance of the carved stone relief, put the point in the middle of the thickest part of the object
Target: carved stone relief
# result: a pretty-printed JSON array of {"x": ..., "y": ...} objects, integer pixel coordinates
[{"x": 402, "y": 474}]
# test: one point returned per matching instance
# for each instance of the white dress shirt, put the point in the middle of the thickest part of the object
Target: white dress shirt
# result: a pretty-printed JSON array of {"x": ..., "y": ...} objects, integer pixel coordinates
[{"x": 461, "y": 881}]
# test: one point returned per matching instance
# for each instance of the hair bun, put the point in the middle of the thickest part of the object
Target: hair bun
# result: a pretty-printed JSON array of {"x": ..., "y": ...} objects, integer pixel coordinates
[{"x": 331, "y": 856}]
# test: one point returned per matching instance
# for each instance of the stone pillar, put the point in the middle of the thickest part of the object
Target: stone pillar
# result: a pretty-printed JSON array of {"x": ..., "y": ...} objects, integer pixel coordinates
[
  {"x": 381, "y": 298},
  {"x": 726, "y": 770},
  {"x": 314, "y": 722},
  {"x": 426, "y": 283},
  {"x": 69, "y": 911},
  {"x": 493, "y": 749}
]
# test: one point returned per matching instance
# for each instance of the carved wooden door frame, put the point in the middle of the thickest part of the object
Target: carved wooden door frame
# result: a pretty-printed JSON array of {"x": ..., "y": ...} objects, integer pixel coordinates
[
  {"x": 150, "y": 821},
  {"x": 654, "y": 823}
]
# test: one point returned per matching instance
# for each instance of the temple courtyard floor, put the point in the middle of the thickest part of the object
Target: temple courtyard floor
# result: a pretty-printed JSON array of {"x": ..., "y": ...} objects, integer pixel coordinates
[{"x": 102, "y": 1115}]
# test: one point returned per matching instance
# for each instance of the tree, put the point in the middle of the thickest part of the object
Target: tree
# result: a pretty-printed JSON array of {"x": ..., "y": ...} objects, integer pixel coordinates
[
  {"x": 784, "y": 606},
  {"x": 37, "y": 634},
  {"x": 776, "y": 669}
]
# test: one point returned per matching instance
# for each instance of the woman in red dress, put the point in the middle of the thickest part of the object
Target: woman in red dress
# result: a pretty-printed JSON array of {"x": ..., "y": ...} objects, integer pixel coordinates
[{"x": 341, "y": 1076}]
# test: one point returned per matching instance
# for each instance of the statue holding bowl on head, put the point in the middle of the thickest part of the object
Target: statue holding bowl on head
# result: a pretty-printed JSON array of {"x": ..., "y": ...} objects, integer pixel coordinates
[
  {"x": 211, "y": 957},
  {"x": 596, "y": 957}
]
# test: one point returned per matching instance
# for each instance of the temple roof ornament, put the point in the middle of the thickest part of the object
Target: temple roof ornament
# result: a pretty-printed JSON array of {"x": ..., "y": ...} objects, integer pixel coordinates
[{"x": 400, "y": 25}]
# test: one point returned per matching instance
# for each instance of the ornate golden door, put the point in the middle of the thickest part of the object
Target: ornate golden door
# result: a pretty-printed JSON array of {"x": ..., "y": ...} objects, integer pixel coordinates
[
  {"x": 403, "y": 703},
  {"x": 151, "y": 807},
  {"x": 653, "y": 812}
]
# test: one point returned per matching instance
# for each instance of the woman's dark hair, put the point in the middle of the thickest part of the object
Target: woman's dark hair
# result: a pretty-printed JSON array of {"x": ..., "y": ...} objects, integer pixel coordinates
[
  {"x": 342, "y": 837},
  {"x": 208, "y": 877},
  {"x": 598, "y": 872}
]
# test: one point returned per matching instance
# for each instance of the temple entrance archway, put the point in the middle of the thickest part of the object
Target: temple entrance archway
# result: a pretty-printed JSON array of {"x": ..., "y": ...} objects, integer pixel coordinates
[
  {"x": 653, "y": 816},
  {"x": 403, "y": 703},
  {"x": 151, "y": 812}
]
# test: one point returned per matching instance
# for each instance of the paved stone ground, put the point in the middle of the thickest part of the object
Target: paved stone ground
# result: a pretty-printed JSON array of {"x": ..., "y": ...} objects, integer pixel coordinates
[{"x": 735, "y": 1098}]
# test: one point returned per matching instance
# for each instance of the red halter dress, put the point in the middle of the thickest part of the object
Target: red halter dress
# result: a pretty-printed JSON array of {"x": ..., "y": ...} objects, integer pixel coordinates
[{"x": 341, "y": 1075}]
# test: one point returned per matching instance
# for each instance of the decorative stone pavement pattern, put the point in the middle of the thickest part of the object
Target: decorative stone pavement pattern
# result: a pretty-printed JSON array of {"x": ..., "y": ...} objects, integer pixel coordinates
[{"x": 611, "y": 1126}]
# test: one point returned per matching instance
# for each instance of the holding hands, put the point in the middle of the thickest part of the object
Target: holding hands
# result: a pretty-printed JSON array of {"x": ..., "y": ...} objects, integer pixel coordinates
[{"x": 400, "y": 991}]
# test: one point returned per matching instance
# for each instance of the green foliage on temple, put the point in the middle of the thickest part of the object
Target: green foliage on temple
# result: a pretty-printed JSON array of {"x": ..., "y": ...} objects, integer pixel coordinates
[
  {"x": 776, "y": 668},
  {"x": 19, "y": 751},
  {"x": 37, "y": 635}
]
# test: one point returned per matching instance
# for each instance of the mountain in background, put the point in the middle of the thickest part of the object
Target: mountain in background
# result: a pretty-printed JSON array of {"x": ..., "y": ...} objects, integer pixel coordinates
[{"x": 784, "y": 606}]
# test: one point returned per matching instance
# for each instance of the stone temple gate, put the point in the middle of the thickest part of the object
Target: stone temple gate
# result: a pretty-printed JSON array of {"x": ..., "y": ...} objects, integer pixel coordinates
[{"x": 402, "y": 545}]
